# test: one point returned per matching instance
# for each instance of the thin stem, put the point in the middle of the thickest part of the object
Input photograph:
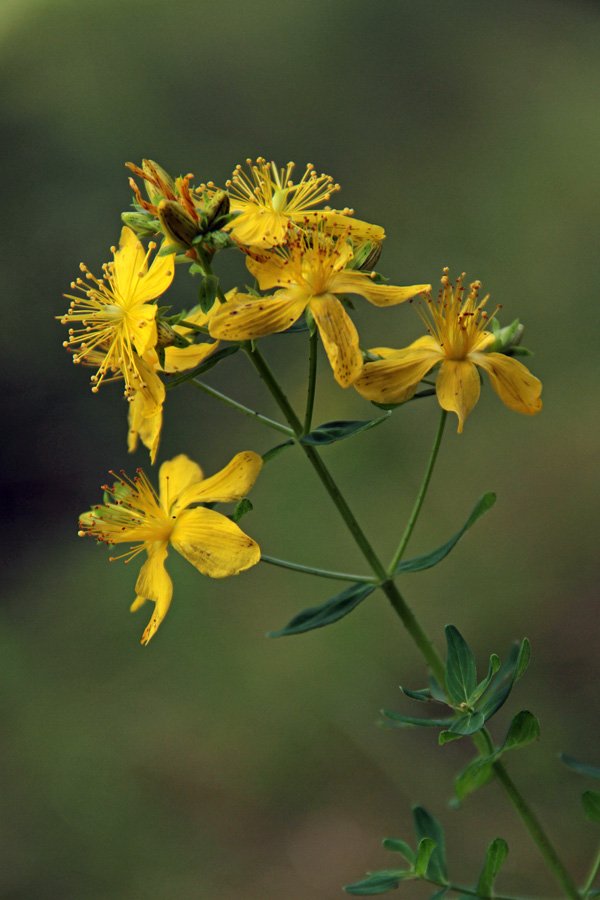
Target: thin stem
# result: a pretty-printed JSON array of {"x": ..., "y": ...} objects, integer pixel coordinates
[
  {"x": 208, "y": 270},
  {"x": 229, "y": 401},
  {"x": 536, "y": 831},
  {"x": 201, "y": 329},
  {"x": 322, "y": 573},
  {"x": 592, "y": 875},
  {"x": 419, "y": 636},
  {"x": 421, "y": 495},
  {"x": 312, "y": 381}
]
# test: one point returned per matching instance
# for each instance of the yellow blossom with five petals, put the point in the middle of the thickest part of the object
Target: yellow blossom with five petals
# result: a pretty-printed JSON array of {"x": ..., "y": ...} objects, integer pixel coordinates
[
  {"x": 115, "y": 317},
  {"x": 133, "y": 513},
  {"x": 458, "y": 340},
  {"x": 309, "y": 271}
]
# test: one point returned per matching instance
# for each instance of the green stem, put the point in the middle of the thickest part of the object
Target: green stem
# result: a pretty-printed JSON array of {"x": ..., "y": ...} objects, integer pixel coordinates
[
  {"x": 322, "y": 573},
  {"x": 592, "y": 875},
  {"x": 421, "y": 496},
  {"x": 208, "y": 270},
  {"x": 229, "y": 401},
  {"x": 410, "y": 622},
  {"x": 536, "y": 831},
  {"x": 201, "y": 329},
  {"x": 312, "y": 381}
]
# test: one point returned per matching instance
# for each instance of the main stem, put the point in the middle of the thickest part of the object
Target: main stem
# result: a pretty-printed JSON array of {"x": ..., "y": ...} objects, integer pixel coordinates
[{"x": 406, "y": 615}]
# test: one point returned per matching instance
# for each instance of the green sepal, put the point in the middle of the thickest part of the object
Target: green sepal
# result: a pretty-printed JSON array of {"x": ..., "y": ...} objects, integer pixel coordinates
[
  {"x": 447, "y": 736},
  {"x": 419, "y": 563},
  {"x": 461, "y": 673},
  {"x": 424, "y": 851},
  {"x": 244, "y": 506},
  {"x": 207, "y": 292},
  {"x": 580, "y": 767},
  {"x": 393, "y": 845},
  {"x": 160, "y": 352},
  {"x": 591, "y": 805},
  {"x": 196, "y": 269},
  {"x": 310, "y": 321},
  {"x": 523, "y": 729},
  {"x": 298, "y": 326},
  {"x": 478, "y": 773},
  {"x": 169, "y": 247},
  {"x": 518, "y": 351},
  {"x": 377, "y": 883},
  {"x": 339, "y": 430},
  {"x": 275, "y": 451},
  {"x": 401, "y": 721},
  {"x": 326, "y": 613},
  {"x": 209, "y": 363},
  {"x": 495, "y": 855},
  {"x": 426, "y": 826}
]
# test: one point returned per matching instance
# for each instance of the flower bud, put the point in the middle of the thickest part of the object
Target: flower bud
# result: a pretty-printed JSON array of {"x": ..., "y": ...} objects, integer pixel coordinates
[
  {"x": 177, "y": 224},
  {"x": 143, "y": 224},
  {"x": 507, "y": 337},
  {"x": 217, "y": 207},
  {"x": 159, "y": 183}
]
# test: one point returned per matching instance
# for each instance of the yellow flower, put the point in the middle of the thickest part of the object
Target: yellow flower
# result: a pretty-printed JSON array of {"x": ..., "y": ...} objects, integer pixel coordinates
[
  {"x": 114, "y": 316},
  {"x": 310, "y": 271},
  {"x": 458, "y": 341},
  {"x": 145, "y": 409},
  {"x": 134, "y": 513},
  {"x": 268, "y": 203}
]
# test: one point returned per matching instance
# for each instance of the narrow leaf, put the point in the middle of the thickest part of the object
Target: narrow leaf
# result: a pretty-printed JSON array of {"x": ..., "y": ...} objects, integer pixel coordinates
[
  {"x": 412, "y": 720},
  {"x": 523, "y": 729},
  {"x": 423, "y": 695},
  {"x": 333, "y": 609},
  {"x": 427, "y": 826},
  {"x": 424, "y": 851},
  {"x": 468, "y": 724},
  {"x": 208, "y": 363},
  {"x": 244, "y": 506},
  {"x": 436, "y": 691},
  {"x": 581, "y": 767},
  {"x": 338, "y": 430},
  {"x": 483, "y": 685},
  {"x": 377, "y": 883},
  {"x": 207, "y": 292},
  {"x": 495, "y": 856},
  {"x": 447, "y": 736},
  {"x": 397, "y": 846},
  {"x": 275, "y": 451},
  {"x": 591, "y": 805},
  {"x": 523, "y": 658},
  {"x": 502, "y": 683},
  {"x": 475, "y": 775},
  {"x": 461, "y": 674},
  {"x": 432, "y": 559}
]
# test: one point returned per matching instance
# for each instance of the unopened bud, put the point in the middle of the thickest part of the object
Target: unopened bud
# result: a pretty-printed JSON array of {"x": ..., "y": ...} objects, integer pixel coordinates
[
  {"x": 217, "y": 207},
  {"x": 177, "y": 224},
  {"x": 166, "y": 336},
  {"x": 160, "y": 185},
  {"x": 507, "y": 337},
  {"x": 143, "y": 224}
]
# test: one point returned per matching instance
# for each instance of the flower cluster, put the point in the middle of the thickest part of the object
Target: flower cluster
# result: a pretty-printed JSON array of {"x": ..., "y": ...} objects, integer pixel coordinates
[{"x": 305, "y": 259}]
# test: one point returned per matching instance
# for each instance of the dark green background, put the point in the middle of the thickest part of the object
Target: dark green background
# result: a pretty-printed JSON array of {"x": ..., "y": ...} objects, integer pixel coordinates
[{"x": 216, "y": 763}]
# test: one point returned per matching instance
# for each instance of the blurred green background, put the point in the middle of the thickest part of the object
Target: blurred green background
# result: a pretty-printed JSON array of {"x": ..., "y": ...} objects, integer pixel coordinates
[{"x": 216, "y": 763}]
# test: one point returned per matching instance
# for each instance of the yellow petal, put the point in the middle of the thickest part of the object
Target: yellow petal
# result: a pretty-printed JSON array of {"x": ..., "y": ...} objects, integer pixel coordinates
[
  {"x": 512, "y": 381},
  {"x": 128, "y": 261},
  {"x": 339, "y": 224},
  {"x": 351, "y": 282},
  {"x": 154, "y": 584},
  {"x": 142, "y": 327},
  {"x": 256, "y": 227},
  {"x": 149, "y": 386},
  {"x": 458, "y": 387},
  {"x": 142, "y": 427},
  {"x": 270, "y": 270},
  {"x": 246, "y": 317},
  {"x": 394, "y": 379},
  {"x": 231, "y": 483},
  {"x": 177, "y": 359},
  {"x": 339, "y": 337},
  {"x": 213, "y": 543},
  {"x": 156, "y": 281},
  {"x": 174, "y": 477}
]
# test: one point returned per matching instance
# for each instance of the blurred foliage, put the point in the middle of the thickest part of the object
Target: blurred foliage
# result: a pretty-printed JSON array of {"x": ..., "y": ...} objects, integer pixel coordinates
[{"x": 216, "y": 763}]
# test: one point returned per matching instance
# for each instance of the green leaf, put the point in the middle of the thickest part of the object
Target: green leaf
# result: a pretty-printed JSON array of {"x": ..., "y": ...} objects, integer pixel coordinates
[
  {"x": 581, "y": 767},
  {"x": 244, "y": 506},
  {"x": 333, "y": 609},
  {"x": 424, "y": 851},
  {"x": 377, "y": 883},
  {"x": 396, "y": 846},
  {"x": 495, "y": 856},
  {"x": 502, "y": 683},
  {"x": 523, "y": 658},
  {"x": 338, "y": 430},
  {"x": 447, "y": 736},
  {"x": 468, "y": 724},
  {"x": 523, "y": 729},
  {"x": 483, "y": 685},
  {"x": 475, "y": 775},
  {"x": 423, "y": 695},
  {"x": 426, "y": 826},
  {"x": 591, "y": 805},
  {"x": 404, "y": 721},
  {"x": 207, "y": 292},
  {"x": 436, "y": 691},
  {"x": 432, "y": 559},
  {"x": 461, "y": 673},
  {"x": 208, "y": 363},
  {"x": 275, "y": 451}
]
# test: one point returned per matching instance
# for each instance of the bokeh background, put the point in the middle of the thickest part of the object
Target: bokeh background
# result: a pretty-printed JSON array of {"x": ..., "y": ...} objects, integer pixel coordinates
[{"x": 215, "y": 762}]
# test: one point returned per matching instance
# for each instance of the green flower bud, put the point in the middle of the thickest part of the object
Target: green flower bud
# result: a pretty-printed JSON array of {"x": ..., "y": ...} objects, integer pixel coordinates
[
  {"x": 177, "y": 224},
  {"x": 143, "y": 224}
]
